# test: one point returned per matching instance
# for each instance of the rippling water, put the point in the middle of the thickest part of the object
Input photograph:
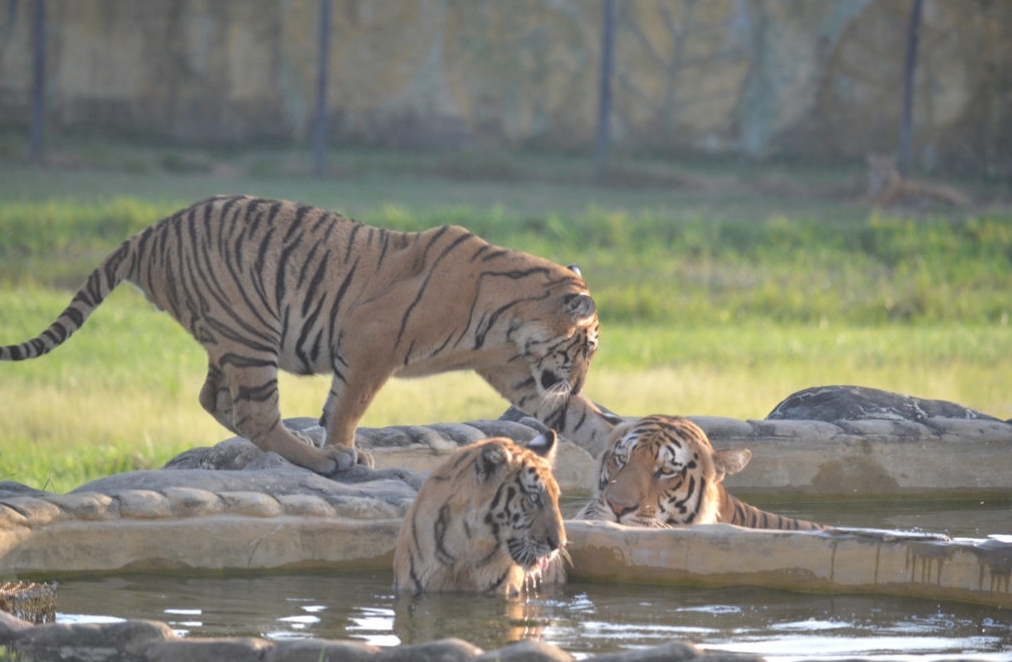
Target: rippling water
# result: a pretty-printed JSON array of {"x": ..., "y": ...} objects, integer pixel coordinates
[{"x": 580, "y": 618}]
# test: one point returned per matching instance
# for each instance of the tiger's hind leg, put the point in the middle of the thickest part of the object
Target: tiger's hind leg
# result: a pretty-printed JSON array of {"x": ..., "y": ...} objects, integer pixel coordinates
[{"x": 242, "y": 393}]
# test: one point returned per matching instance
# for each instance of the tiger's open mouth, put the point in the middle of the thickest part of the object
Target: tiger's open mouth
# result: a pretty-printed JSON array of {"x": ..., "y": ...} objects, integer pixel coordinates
[
  {"x": 527, "y": 557},
  {"x": 549, "y": 379},
  {"x": 554, "y": 384}
]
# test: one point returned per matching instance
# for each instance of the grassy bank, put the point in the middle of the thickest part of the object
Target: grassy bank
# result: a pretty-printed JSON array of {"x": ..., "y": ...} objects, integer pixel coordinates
[
  {"x": 680, "y": 257},
  {"x": 719, "y": 293}
]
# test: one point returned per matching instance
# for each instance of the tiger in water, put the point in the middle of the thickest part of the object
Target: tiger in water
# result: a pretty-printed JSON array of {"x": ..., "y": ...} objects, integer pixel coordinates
[
  {"x": 661, "y": 471},
  {"x": 266, "y": 284},
  {"x": 486, "y": 520}
]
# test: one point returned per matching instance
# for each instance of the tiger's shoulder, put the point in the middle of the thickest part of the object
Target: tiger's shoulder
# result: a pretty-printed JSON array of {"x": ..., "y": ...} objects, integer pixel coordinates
[
  {"x": 486, "y": 520},
  {"x": 662, "y": 471}
]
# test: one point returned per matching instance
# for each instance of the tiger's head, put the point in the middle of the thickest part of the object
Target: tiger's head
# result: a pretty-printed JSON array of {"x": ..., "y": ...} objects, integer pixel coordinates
[
  {"x": 882, "y": 173},
  {"x": 556, "y": 332},
  {"x": 661, "y": 471},
  {"x": 486, "y": 520}
]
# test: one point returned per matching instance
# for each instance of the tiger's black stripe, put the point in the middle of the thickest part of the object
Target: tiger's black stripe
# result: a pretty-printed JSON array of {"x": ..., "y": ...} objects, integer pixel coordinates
[
  {"x": 662, "y": 471},
  {"x": 482, "y": 520},
  {"x": 266, "y": 285}
]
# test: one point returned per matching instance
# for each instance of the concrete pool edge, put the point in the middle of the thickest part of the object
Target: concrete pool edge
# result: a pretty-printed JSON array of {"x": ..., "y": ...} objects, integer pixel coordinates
[
  {"x": 838, "y": 561},
  {"x": 272, "y": 516},
  {"x": 939, "y": 458}
]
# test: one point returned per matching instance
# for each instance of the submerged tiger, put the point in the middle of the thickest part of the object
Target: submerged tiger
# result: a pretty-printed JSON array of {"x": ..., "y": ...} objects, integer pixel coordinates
[
  {"x": 486, "y": 520},
  {"x": 265, "y": 285},
  {"x": 661, "y": 471}
]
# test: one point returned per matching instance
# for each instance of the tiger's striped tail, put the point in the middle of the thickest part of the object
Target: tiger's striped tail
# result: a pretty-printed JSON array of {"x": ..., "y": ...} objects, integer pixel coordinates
[
  {"x": 735, "y": 511},
  {"x": 103, "y": 280}
]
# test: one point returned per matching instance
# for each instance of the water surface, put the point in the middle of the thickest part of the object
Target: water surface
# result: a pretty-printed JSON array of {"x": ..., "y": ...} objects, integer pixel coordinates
[
  {"x": 580, "y": 618},
  {"x": 583, "y": 619}
]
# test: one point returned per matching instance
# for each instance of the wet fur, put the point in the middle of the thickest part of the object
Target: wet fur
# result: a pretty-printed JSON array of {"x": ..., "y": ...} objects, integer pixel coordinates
[{"x": 486, "y": 520}]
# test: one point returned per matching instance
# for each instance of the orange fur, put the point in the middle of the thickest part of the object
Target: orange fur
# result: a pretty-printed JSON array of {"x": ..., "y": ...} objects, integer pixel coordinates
[
  {"x": 661, "y": 471},
  {"x": 887, "y": 188},
  {"x": 265, "y": 285},
  {"x": 486, "y": 520}
]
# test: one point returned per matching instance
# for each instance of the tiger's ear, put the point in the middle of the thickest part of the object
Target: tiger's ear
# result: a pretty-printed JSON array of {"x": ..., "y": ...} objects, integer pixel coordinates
[
  {"x": 730, "y": 461},
  {"x": 544, "y": 445},
  {"x": 491, "y": 458},
  {"x": 580, "y": 306},
  {"x": 575, "y": 268}
]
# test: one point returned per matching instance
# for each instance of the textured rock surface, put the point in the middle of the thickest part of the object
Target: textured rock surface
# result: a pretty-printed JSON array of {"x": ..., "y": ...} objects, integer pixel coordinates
[
  {"x": 844, "y": 441},
  {"x": 153, "y": 641},
  {"x": 931, "y": 458},
  {"x": 838, "y": 560},
  {"x": 269, "y": 514},
  {"x": 854, "y": 403}
]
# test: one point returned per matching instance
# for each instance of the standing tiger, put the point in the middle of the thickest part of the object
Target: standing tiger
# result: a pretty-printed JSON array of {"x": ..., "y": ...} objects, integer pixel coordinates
[
  {"x": 661, "y": 471},
  {"x": 486, "y": 520},
  {"x": 265, "y": 284}
]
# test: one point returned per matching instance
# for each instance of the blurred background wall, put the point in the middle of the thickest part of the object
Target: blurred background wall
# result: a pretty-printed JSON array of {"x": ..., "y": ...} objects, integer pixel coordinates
[{"x": 819, "y": 80}]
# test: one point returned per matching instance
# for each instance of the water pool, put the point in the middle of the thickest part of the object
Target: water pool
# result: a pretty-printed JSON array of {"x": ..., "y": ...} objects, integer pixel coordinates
[
  {"x": 956, "y": 518},
  {"x": 584, "y": 619}
]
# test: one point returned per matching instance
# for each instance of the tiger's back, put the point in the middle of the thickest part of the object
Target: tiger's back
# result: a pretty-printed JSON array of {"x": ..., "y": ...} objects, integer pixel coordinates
[
  {"x": 486, "y": 520},
  {"x": 265, "y": 285},
  {"x": 661, "y": 471}
]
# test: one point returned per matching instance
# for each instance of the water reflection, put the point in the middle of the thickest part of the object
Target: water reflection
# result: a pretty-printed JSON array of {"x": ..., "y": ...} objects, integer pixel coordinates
[{"x": 582, "y": 619}]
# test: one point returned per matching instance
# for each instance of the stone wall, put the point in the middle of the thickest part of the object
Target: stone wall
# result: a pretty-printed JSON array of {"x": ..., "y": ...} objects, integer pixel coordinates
[{"x": 818, "y": 79}]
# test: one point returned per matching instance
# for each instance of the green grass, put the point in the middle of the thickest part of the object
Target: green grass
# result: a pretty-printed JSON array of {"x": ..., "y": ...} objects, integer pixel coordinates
[
  {"x": 718, "y": 294},
  {"x": 679, "y": 265},
  {"x": 122, "y": 394}
]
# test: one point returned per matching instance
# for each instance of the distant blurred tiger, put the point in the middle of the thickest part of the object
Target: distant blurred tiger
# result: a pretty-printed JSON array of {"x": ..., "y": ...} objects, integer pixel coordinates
[
  {"x": 888, "y": 188},
  {"x": 486, "y": 520},
  {"x": 265, "y": 285},
  {"x": 661, "y": 471}
]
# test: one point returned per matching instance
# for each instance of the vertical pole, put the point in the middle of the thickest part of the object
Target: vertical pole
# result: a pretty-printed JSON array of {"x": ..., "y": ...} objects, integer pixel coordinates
[
  {"x": 320, "y": 133},
  {"x": 604, "y": 100},
  {"x": 906, "y": 117},
  {"x": 38, "y": 78}
]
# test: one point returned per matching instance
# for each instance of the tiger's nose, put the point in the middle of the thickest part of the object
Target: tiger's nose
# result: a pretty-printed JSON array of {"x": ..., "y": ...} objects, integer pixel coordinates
[{"x": 620, "y": 507}]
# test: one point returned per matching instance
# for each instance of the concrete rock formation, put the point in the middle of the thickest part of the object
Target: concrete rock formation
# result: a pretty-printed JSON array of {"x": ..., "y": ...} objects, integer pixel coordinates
[
  {"x": 860, "y": 403},
  {"x": 153, "y": 641},
  {"x": 233, "y": 507}
]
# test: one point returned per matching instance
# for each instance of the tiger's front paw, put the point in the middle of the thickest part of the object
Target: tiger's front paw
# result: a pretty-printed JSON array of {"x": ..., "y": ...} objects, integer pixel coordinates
[{"x": 346, "y": 457}]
